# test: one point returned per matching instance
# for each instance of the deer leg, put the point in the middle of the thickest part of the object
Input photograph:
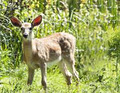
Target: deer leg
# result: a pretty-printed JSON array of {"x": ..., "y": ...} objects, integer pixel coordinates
[
  {"x": 43, "y": 73},
  {"x": 70, "y": 61},
  {"x": 30, "y": 75},
  {"x": 65, "y": 72}
]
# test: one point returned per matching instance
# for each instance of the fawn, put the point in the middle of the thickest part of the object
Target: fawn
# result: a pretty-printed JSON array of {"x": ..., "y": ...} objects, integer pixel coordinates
[{"x": 37, "y": 53}]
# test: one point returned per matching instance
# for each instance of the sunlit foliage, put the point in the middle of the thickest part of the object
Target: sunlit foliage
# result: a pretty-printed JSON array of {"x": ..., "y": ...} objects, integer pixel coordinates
[{"x": 94, "y": 23}]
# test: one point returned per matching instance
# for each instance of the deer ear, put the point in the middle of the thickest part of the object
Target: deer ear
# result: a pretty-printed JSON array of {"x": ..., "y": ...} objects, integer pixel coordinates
[
  {"x": 37, "y": 21},
  {"x": 15, "y": 22}
]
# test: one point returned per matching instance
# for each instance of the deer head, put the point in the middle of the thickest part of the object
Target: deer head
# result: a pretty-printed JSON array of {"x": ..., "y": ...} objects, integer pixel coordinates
[{"x": 26, "y": 28}]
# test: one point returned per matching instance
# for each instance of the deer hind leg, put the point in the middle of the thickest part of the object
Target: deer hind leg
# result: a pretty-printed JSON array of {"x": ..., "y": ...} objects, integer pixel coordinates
[
  {"x": 70, "y": 61},
  {"x": 43, "y": 74},
  {"x": 30, "y": 75},
  {"x": 65, "y": 72}
]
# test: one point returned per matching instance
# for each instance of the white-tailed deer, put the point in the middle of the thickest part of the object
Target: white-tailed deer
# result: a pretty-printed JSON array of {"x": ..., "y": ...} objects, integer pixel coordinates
[{"x": 39, "y": 52}]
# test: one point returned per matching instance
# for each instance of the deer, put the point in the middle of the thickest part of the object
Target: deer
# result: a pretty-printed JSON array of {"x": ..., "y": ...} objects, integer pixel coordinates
[{"x": 40, "y": 52}]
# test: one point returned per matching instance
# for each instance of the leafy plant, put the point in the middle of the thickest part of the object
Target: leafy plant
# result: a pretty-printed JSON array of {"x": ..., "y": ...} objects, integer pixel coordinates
[{"x": 94, "y": 23}]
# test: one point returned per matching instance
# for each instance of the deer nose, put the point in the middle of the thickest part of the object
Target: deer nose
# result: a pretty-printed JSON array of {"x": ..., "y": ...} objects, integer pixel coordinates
[{"x": 25, "y": 36}]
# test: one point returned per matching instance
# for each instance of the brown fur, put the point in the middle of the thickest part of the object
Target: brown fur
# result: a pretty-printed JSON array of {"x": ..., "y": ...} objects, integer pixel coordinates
[
  {"x": 49, "y": 48},
  {"x": 40, "y": 52}
]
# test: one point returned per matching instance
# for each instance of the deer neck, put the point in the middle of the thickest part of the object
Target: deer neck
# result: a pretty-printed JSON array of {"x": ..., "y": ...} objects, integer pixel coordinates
[
  {"x": 27, "y": 49},
  {"x": 27, "y": 44}
]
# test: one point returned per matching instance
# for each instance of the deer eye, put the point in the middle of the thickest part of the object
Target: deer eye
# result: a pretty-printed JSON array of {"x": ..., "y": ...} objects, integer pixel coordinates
[
  {"x": 30, "y": 28},
  {"x": 22, "y": 29}
]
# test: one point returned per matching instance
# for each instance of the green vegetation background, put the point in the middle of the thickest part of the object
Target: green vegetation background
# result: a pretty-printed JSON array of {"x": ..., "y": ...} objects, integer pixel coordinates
[{"x": 94, "y": 23}]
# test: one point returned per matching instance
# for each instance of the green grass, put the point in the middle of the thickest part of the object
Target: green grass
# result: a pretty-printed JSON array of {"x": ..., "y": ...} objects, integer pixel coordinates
[
  {"x": 97, "y": 31},
  {"x": 15, "y": 82},
  {"x": 102, "y": 81}
]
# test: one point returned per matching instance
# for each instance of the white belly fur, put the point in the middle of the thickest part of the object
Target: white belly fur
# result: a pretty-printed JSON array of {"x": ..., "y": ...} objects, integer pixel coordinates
[{"x": 49, "y": 64}]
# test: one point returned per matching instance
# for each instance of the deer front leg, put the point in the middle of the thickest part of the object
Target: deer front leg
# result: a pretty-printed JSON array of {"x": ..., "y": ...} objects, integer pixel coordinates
[
  {"x": 43, "y": 73},
  {"x": 30, "y": 75}
]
